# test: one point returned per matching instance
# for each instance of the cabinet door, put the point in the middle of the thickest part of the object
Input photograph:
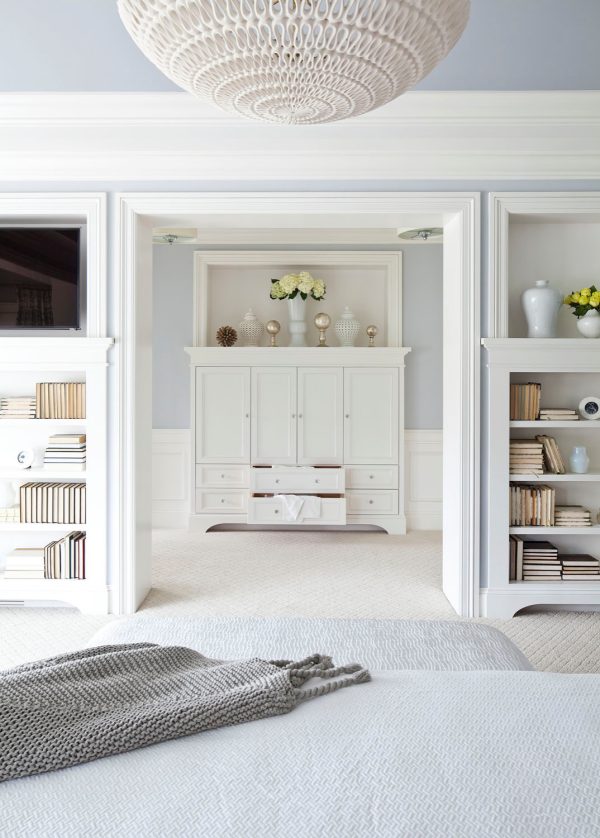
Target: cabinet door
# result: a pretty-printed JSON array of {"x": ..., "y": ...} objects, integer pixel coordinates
[
  {"x": 222, "y": 415},
  {"x": 371, "y": 415},
  {"x": 320, "y": 415},
  {"x": 273, "y": 415}
]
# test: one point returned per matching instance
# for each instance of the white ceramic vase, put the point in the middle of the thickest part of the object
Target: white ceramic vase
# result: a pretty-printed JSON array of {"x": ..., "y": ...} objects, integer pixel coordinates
[
  {"x": 589, "y": 324},
  {"x": 347, "y": 328},
  {"x": 251, "y": 329},
  {"x": 541, "y": 305},
  {"x": 297, "y": 321},
  {"x": 579, "y": 461}
]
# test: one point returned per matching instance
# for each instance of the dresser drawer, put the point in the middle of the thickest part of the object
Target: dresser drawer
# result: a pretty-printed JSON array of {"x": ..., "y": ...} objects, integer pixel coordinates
[
  {"x": 372, "y": 503},
  {"x": 372, "y": 477},
  {"x": 270, "y": 511},
  {"x": 228, "y": 502},
  {"x": 298, "y": 480},
  {"x": 235, "y": 476}
]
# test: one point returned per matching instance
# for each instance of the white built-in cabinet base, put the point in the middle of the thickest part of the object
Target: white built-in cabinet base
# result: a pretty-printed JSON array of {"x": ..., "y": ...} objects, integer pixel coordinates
[{"x": 322, "y": 421}]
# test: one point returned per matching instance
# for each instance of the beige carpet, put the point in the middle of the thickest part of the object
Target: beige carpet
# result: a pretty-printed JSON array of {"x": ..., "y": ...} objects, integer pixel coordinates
[{"x": 299, "y": 573}]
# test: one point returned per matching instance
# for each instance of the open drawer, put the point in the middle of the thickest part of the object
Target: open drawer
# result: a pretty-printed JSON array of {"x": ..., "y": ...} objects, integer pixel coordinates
[
  {"x": 298, "y": 480},
  {"x": 269, "y": 510}
]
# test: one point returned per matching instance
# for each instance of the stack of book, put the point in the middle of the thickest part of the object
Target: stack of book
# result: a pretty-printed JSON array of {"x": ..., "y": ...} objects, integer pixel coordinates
[
  {"x": 532, "y": 506},
  {"x": 17, "y": 407},
  {"x": 580, "y": 568},
  {"x": 52, "y": 503},
  {"x": 526, "y": 456},
  {"x": 525, "y": 401},
  {"x": 553, "y": 461},
  {"x": 10, "y": 515},
  {"x": 25, "y": 563},
  {"x": 541, "y": 562},
  {"x": 572, "y": 516},
  {"x": 60, "y": 400},
  {"x": 558, "y": 414},
  {"x": 66, "y": 452},
  {"x": 65, "y": 558}
]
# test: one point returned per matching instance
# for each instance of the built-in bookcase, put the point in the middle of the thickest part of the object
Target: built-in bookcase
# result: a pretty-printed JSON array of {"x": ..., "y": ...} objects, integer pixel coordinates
[
  {"x": 23, "y": 363},
  {"x": 567, "y": 371}
]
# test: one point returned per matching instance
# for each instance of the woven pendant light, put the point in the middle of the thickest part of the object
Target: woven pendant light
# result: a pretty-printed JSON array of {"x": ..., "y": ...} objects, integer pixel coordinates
[{"x": 295, "y": 61}]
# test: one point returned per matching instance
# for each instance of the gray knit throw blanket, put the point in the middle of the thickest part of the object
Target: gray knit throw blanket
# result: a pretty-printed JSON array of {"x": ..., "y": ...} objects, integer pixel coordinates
[{"x": 79, "y": 707}]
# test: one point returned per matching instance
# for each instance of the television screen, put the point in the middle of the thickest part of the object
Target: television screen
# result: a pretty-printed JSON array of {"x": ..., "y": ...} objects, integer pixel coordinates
[{"x": 39, "y": 278}]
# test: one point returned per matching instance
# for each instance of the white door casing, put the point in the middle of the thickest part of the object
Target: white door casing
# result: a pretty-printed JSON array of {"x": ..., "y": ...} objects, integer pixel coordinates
[
  {"x": 223, "y": 402},
  {"x": 460, "y": 214},
  {"x": 320, "y": 415},
  {"x": 370, "y": 416},
  {"x": 274, "y": 417}
]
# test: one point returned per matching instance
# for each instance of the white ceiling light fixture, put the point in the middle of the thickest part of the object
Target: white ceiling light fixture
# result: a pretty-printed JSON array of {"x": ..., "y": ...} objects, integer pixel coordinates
[
  {"x": 295, "y": 61},
  {"x": 174, "y": 235},
  {"x": 421, "y": 234}
]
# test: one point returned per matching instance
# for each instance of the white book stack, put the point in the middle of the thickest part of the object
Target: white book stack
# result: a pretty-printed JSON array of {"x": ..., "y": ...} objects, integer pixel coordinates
[
  {"x": 572, "y": 516},
  {"x": 558, "y": 414},
  {"x": 10, "y": 515},
  {"x": 66, "y": 452},
  {"x": 25, "y": 563},
  {"x": 17, "y": 407}
]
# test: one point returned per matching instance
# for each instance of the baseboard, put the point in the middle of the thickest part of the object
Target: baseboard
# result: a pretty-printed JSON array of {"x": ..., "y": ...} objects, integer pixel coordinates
[{"x": 171, "y": 452}]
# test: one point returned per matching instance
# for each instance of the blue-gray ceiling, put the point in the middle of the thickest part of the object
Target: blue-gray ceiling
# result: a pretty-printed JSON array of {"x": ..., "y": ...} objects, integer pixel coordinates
[{"x": 78, "y": 45}]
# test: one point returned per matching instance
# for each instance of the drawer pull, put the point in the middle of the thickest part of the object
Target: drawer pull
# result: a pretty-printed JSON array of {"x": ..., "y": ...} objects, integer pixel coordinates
[
  {"x": 222, "y": 477},
  {"x": 276, "y": 512},
  {"x": 316, "y": 481},
  {"x": 371, "y": 476},
  {"x": 277, "y": 481},
  {"x": 222, "y": 500},
  {"x": 370, "y": 501}
]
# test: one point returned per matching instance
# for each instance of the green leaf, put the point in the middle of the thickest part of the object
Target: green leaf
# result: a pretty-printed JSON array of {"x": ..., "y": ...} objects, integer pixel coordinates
[
  {"x": 293, "y": 294},
  {"x": 274, "y": 280},
  {"x": 303, "y": 295}
]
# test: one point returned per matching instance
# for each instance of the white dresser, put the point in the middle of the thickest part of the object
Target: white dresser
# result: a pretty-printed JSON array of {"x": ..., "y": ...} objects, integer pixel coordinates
[{"x": 275, "y": 421}]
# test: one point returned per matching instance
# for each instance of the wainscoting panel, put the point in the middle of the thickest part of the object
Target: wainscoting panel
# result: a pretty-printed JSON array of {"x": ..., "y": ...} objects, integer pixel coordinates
[
  {"x": 171, "y": 450},
  {"x": 423, "y": 480},
  {"x": 171, "y": 478}
]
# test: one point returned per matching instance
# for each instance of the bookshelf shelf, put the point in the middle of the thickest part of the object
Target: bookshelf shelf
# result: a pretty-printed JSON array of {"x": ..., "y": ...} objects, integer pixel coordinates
[
  {"x": 595, "y": 530},
  {"x": 40, "y": 474},
  {"x": 589, "y": 477},
  {"x": 583, "y": 424},
  {"x": 19, "y": 423},
  {"x": 48, "y": 528}
]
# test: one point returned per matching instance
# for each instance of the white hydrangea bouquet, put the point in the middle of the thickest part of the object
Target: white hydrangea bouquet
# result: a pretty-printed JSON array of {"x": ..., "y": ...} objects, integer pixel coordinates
[{"x": 290, "y": 285}]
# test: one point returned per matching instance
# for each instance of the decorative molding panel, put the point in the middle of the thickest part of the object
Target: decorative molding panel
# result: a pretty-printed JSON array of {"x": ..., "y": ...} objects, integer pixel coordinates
[
  {"x": 423, "y": 474},
  {"x": 170, "y": 478},
  {"x": 539, "y": 135}
]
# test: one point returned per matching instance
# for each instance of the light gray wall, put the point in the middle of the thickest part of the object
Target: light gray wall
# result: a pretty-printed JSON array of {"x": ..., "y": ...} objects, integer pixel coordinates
[
  {"x": 173, "y": 326},
  {"x": 508, "y": 45}
]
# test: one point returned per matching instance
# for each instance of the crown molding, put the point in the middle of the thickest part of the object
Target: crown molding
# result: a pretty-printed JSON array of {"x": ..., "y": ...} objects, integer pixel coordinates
[{"x": 537, "y": 135}]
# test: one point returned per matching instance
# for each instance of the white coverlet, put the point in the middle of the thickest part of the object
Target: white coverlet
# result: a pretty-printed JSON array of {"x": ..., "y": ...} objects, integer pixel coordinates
[
  {"x": 410, "y": 755},
  {"x": 376, "y": 643}
]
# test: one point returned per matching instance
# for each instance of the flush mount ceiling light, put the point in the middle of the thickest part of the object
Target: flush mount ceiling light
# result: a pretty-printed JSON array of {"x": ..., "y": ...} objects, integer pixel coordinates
[
  {"x": 173, "y": 235},
  {"x": 422, "y": 234},
  {"x": 295, "y": 61}
]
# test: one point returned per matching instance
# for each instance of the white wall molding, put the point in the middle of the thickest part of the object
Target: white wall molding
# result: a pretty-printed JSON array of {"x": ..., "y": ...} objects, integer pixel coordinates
[
  {"x": 423, "y": 476},
  {"x": 541, "y": 135},
  {"x": 171, "y": 451}
]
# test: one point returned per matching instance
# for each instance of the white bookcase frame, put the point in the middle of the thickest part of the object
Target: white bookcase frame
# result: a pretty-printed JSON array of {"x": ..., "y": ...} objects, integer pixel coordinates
[
  {"x": 43, "y": 357},
  {"x": 504, "y": 356},
  {"x": 309, "y": 260}
]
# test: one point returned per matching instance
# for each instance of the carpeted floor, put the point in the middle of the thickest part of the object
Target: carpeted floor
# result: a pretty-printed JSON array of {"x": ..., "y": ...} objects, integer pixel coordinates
[{"x": 299, "y": 573}]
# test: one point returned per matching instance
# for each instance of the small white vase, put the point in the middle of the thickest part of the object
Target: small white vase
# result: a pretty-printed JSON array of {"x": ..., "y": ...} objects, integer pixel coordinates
[
  {"x": 541, "y": 305},
  {"x": 579, "y": 461},
  {"x": 589, "y": 324},
  {"x": 297, "y": 321},
  {"x": 347, "y": 328},
  {"x": 251, "y": 329}
]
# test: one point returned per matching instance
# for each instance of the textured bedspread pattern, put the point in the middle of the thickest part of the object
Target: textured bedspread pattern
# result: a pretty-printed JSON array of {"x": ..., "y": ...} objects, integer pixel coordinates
[{"x": 79, "y": 707}]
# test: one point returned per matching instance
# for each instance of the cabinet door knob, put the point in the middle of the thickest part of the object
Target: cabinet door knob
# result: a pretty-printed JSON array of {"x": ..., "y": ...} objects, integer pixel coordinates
[
  {"x": 371, "y": 476},
  {"x": 316, "y": 481},
  {"x": 370, "y": 501},
  {"x": 293, "y": 415},
  {"x": 222, "y": 477},
  {"x": 247, "y": 415},
  {"x": 299, "y": 416},
  {"x": 276, "y": 512},
  {"x": 222, "y": 500},
  {"x": 347, "y": 415},
  {"x": 277, "y": 481}
]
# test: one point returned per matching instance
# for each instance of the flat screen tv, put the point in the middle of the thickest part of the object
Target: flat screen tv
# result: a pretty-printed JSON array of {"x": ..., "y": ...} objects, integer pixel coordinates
[{"x": 40, "y": 277}]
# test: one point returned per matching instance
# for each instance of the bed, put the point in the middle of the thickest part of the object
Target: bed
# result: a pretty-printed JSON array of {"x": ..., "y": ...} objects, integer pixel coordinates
[{"x": 454, "y": 736}]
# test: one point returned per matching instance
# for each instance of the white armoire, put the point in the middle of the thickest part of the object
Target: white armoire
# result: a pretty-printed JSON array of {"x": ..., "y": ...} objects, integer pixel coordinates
[{"x": 298, "y": 421}]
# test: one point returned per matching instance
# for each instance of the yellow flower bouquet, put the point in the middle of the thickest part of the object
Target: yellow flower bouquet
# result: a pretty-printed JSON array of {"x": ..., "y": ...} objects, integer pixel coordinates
[{"x": 588, "y": 299}]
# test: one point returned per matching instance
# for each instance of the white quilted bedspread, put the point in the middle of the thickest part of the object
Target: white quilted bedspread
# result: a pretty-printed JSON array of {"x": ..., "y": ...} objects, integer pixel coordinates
[
  {"x": 410, "y": 755},
  {"x": 379, "y": 644}
]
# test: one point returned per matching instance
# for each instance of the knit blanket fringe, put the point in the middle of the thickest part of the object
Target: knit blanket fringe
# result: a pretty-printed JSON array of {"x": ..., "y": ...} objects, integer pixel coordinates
[{"x": 98, "y": 702}]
